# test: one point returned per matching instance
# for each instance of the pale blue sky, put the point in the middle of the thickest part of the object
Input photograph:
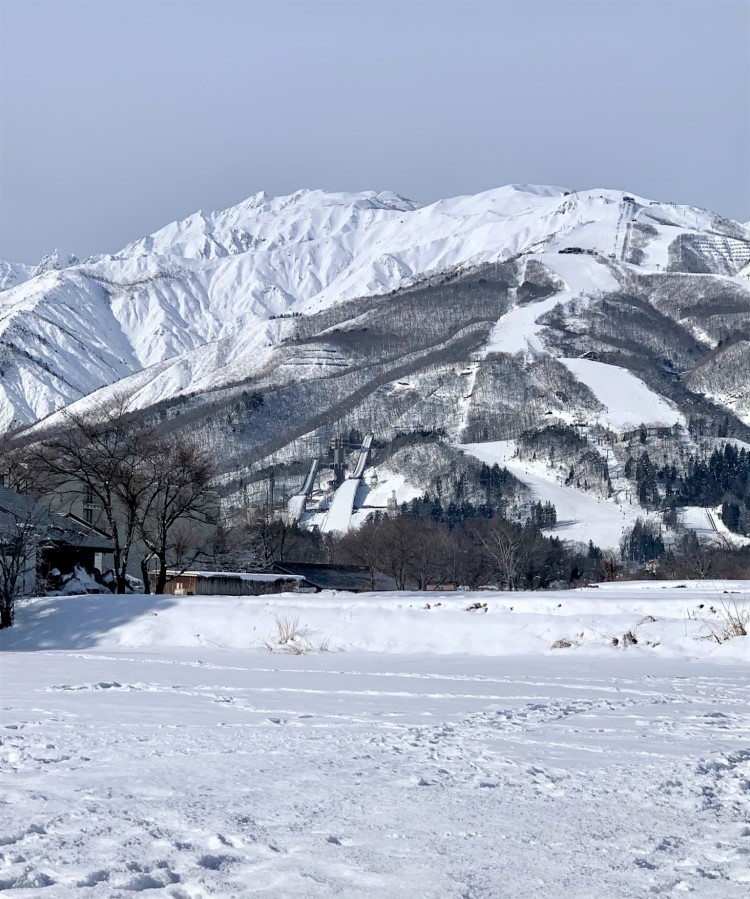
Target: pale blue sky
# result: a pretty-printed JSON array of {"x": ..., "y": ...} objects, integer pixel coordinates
[{"x": 119, "y": 116}]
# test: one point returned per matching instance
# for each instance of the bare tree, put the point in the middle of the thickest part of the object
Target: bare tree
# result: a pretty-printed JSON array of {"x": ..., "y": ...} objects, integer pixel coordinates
[
  {"x": 19, "y": 470},
  {"x": 611, "y": 565},
  {"x": 396, "y": 548},
  {"x": 22, "y": 528},
  {"x": 103, "y": 451},
  {"x": 176, "y": 507},
  {"x": 437, "y": 555},
  {"x": 14, "y": 471},
  {"x": 506, "y": 546},
  {"x": 362, "y": 547},
  {"x": 695, "y": 559}
]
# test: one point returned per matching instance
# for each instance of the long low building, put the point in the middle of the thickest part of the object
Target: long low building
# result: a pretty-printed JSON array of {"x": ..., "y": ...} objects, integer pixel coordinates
[
  {"x": 232, "y": 583},
  {"x": 345, "y": 578}
]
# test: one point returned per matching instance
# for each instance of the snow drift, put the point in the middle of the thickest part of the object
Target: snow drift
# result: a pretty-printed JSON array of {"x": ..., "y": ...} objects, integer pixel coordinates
[{"x": 667, "y": 619}]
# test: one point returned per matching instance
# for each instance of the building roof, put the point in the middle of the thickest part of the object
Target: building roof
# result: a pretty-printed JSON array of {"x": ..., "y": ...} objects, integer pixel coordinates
[
  {"x": 354, "y": 578},
  {"x": 262, "y": 576},
  {"x": 19, "y": 509}
]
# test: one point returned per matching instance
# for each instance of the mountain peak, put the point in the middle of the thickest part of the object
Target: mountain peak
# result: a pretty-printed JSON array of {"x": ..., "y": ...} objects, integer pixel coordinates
[{"x": 55, "y": 261}]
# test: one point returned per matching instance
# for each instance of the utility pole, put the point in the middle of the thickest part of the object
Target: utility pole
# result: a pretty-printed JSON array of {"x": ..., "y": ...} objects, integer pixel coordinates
[{"x": 271, "y": 487}]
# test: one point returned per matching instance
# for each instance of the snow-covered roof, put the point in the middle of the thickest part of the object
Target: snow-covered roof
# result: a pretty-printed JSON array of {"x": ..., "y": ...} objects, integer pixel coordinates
[{"x": 262, "y": 577}]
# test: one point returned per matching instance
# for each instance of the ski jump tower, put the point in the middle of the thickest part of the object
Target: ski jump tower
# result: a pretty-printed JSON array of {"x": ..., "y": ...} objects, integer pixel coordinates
[{"x": 342, "y": 502}]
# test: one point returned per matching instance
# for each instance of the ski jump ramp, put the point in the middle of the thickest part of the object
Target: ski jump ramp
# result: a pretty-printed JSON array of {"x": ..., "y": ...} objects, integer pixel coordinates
[
  {"x": 364, "y": 454},
  {"x": 340, "y": 511},
  {"x": 296, "y": 505},
  {"x": 339, "y": 515}
]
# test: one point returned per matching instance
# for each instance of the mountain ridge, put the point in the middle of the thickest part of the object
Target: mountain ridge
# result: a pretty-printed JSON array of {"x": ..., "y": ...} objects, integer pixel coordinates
[{"x": 212, "y": 277}]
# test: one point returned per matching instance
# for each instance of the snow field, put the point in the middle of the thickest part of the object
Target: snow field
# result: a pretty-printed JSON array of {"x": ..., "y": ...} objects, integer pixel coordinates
[
  {"x": 483, "y": 623},
  {"x": 150, "y": 752}
]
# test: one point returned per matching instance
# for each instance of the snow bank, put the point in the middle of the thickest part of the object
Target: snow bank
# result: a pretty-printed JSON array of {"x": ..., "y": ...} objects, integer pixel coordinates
[{"x": 666, "y": 618}]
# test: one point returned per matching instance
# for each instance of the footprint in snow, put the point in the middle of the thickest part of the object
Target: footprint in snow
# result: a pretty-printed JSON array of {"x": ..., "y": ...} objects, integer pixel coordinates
[
  {"x": 216, "y": 862},
  {"x": 91, "y": 880}
]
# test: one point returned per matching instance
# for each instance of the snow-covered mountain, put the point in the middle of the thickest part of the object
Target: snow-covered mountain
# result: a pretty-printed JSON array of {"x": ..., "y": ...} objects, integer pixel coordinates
[
  {"x": 12, "y": 273},
  {"x": 190, "y": 308}
]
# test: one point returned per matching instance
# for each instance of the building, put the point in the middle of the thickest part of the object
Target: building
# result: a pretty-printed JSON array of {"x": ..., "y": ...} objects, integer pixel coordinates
[
  {"x": 55, "y": 543},
  {"x": 75, "y": 500},
  {"x": 232, "y": 583},
  {"x": 351, "y": 578}
]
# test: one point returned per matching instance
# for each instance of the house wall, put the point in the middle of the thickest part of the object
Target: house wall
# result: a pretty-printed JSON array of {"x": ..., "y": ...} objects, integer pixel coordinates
[{"x": 187, "y": 585}]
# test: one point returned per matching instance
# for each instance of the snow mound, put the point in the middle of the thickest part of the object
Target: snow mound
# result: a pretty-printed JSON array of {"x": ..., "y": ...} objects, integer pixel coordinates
[{"x": 667, "y": 618}]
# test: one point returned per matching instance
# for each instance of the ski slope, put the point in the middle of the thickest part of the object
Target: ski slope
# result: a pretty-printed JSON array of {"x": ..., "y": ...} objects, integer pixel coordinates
[
  {"x": 582, "y": 277},
  {"x": 709, "y": 527},
  {"x": 580, "y": 516},
  {"x": 627, "y": 401}
]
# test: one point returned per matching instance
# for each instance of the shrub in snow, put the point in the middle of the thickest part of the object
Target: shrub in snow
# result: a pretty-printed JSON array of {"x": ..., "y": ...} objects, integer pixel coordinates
[
  {"x": 562, "y": 644},
  {"x": 289, "y": 636},
  {"x": 729, "y": 620}
]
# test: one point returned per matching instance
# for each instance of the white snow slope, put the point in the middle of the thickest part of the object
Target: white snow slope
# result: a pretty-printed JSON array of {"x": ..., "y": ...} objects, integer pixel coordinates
[
  {"x": 580, "y": 516},
  {"x": 148, "y": 746},
  {"x": 627, "y": 401},
  {"x": 194, "y": 299},
  {"x": 12, "y": 273}
]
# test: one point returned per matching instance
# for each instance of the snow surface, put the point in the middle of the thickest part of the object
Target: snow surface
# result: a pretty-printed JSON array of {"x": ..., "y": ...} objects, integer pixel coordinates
[
  {"x": 338, "y": 518},
  {"x": 627, "y": 401},
  {"x": 12, "y": 273},
  {"x": 580, "y": 516},
  {"x": 147, "y": 746}
]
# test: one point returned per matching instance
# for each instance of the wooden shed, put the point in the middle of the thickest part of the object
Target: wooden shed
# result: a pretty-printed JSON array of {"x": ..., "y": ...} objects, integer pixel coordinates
[{"x": 232, "y": 583}]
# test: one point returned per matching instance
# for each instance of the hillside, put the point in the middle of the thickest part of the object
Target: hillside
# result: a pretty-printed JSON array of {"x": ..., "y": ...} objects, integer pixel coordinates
[
  {"x": 214, "y": 280},
  {"x": 272, "y": 326}
]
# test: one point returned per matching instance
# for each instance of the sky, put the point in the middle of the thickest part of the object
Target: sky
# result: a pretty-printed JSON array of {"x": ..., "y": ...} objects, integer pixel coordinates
[{"x": 119, "y": 116}]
